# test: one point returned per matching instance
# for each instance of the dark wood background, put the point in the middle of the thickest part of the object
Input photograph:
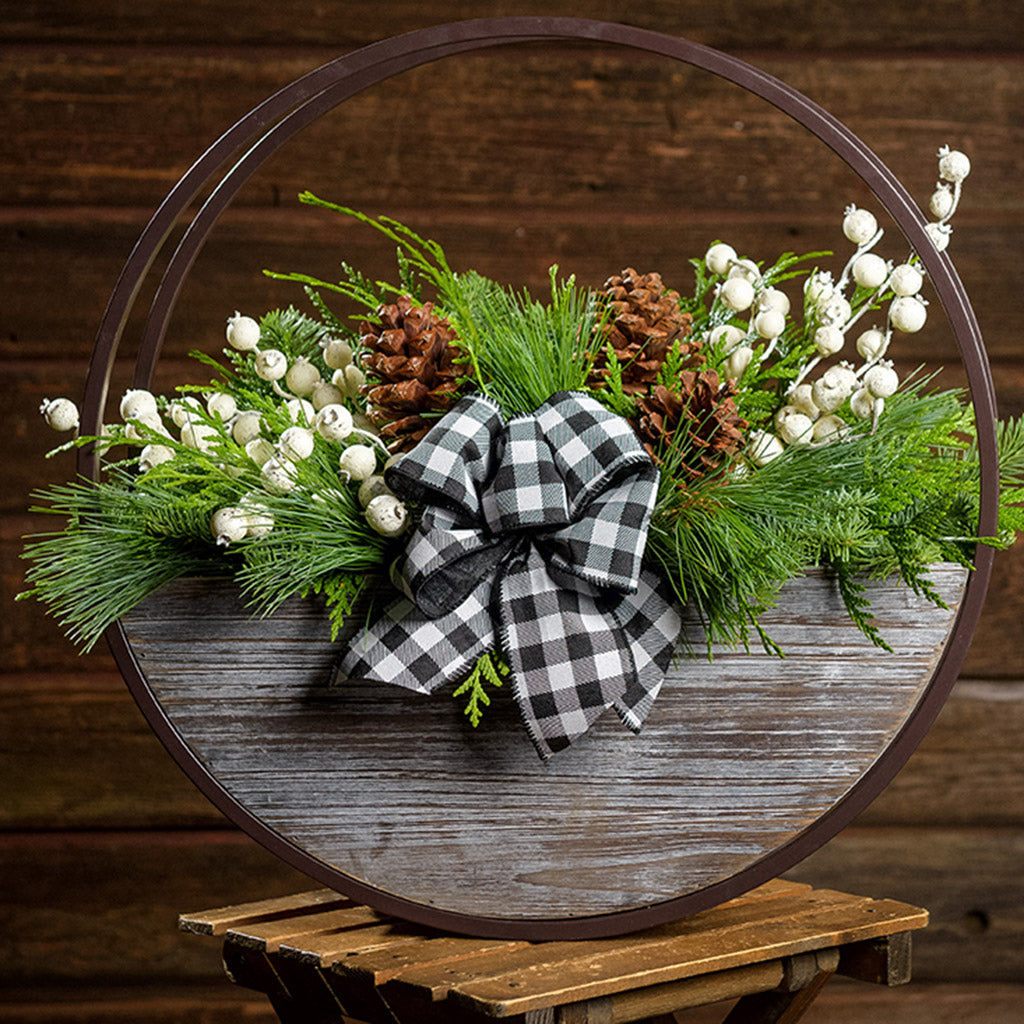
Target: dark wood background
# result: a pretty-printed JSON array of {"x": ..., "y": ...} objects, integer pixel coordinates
[{"x": 591, "y": 158}]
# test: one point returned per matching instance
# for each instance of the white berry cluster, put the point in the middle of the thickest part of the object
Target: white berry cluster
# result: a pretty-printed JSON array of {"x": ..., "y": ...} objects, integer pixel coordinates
[
  {"x": 820, "y": 411},
  {"x": 315, "y": 408}
]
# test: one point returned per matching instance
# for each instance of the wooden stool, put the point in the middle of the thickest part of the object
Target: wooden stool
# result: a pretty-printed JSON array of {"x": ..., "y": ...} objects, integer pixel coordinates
[{"x": 320, "y": 957}]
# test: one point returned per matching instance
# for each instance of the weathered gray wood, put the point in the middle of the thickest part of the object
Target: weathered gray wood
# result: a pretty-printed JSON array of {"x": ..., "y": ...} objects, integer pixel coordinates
[{"x": 739, "y": 757}]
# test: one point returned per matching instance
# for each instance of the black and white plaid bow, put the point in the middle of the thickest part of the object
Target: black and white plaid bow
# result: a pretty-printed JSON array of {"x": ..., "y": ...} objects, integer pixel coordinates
[{"x": 531, "y": 538}]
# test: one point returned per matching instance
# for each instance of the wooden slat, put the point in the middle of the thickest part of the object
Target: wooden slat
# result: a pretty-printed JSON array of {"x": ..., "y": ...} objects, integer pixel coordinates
[
  {"x": 513, "y": 246},
  {"x": 222, "y": 919},
  {"x": 234, "y": 23},
  {"x": 555, "y": 973},
  {"x": 113, "y": 128},
  {"x": 267, "y": 936}
]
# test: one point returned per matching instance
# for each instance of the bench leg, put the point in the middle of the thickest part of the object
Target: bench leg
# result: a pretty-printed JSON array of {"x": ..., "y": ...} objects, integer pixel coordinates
[{"x": 805, "y": 976}]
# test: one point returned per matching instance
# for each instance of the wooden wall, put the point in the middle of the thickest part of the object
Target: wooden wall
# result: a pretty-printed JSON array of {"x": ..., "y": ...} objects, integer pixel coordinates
[{"x": 594, "y": 158}]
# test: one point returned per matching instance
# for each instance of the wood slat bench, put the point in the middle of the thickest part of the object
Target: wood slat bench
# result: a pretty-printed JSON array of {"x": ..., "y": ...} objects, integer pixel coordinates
[{"x": 320, "y": 957}]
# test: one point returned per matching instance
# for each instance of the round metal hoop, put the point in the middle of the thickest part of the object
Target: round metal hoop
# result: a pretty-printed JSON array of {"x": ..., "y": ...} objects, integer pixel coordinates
[{"x": 264, "y": 130}]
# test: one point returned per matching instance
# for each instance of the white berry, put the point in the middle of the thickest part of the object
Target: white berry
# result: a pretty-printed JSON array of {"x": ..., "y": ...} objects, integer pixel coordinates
[
  {"x": 802, "y": 400},
  {"x": 228, "y": 525},
  {"x": 833, "y": 388},
  {"x": 258, "y": 520},
  {"x": 183, "y": 408},
  {"x": 300, "y": 411},
  {"x": 763, "y": 447},
  {"x": 337, "y": 354},
  {"x": 941, "y": 202},
  {"x": 718, "y": 258},
  {"x": 747, "y": 269},
  {"x": 737, "y": 294},
  {"x": 243, "y": 333},
  {"x": 870, "y": 344},
  {"x": 819, "y": 287},
  {"x": 152, "y": 455},
  {"x": 271, "y": 364},
  {"x": 881, "y": 380},
  {"x": 908, "y": 314},
  {"x": 830, "y": 428},
  {"x": 828, "y": 340},
  {"x": 835, "y": 310},
  {"x": 326, "y": 393},
  {"x": 297, "y": 443},
  {"x": 260, "y": 450},
  {"x": 60, "y": 413},
  {"x": 954, "y": 166},
  {"x": 859, "y": 226},
  {"x": 358, "y": 461},
  {"x": 278, "y": 475},
  {"x": 222, "y": 405},
  {"x": 387, "y": 515},
  {"x": 773, "y": 298},
  {"x": 769, "y": 323},
  {"x": 726, "y": 336},
  {"x": 738, "y": 361},
  {"x": 246, "y": 427},
  {"x": 939, "y": 235},
  {"x": 137, "y": 403},
  {"x": 870, "y": 271},
  {"x": 862, "y": 404},
  {"x": 302, "y": 377},
  {"x": 351, "y": 379},
  {"x": 198, "y": 435},
  {"x": 906, "y": 280},
  {"x": 794, "y": 427},
  {"x": 333, "y": 422}
]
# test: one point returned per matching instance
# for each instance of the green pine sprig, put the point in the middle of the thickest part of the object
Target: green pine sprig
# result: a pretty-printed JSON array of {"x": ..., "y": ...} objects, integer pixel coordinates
[{"x": 490, "y": 669}]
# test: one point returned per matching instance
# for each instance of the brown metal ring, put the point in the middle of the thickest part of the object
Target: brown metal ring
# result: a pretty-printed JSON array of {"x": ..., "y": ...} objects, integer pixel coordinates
[{"x": 277, "y": 119}]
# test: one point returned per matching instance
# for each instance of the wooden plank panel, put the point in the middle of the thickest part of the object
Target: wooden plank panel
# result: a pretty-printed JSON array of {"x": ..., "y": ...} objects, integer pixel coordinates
[
  {"x": 102, "y": 908},
  {"x": 969, "y": 769},
  {"x": 962, "y": 26},
  {"x": 86, "y": 249},
  {"x": 576, "y": 129},
  {"x": 763, "y": 755},
  {"x": 965, "y": 878}
]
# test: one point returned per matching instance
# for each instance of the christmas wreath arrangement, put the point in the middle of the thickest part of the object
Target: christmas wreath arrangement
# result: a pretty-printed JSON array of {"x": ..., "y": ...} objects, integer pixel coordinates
[{"x": 546, "y": 482}]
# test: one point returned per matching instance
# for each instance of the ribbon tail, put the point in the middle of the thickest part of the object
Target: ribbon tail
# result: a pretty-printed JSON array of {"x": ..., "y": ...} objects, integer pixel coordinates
[
  {"x": 406, "y": 648},
  {"x": 650, "y": 620},
  {"x": 568, "y": 658}
]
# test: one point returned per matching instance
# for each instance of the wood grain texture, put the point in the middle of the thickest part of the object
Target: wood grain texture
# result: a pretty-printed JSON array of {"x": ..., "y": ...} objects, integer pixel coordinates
[
  {"x": 218, "y": 1002},
  {"x": 518, "y": 248},
  {"x": 575, "y": 129},
  {"x": 76, "y": 904},
  {"x": 740, "y": 755},
  {"x": 953, "y": 27}
]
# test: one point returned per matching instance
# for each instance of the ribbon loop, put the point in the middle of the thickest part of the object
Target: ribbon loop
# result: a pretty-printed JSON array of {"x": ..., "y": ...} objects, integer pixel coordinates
[{"x": 537, "y": 526}]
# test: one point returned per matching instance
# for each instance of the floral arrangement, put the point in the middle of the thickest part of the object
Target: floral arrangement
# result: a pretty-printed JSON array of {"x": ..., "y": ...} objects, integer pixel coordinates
[{"x": 547, "y": 481}]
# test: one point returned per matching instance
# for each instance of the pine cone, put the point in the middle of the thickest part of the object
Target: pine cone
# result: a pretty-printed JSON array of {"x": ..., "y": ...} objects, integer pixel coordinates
[
  {"x": 643, "y": 319},
  {"x": 412, "y": 356},
  {"x": 700, "y": 421}
]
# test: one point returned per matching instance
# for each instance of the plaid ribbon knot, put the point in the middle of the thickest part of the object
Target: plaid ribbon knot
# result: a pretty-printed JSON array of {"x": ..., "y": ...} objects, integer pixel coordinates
[{"x": 532, "y": 534}]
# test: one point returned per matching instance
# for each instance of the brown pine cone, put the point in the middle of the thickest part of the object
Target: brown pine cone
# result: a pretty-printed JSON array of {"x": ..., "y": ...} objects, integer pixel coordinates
[
  {"x": 642, "y": 321},
  {"x": 412, "y": 358},
  {"x": 699, "y": 420}
]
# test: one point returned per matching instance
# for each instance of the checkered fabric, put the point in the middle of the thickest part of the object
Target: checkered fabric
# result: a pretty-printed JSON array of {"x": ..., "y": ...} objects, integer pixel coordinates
[{"x": 536, "y": 528}]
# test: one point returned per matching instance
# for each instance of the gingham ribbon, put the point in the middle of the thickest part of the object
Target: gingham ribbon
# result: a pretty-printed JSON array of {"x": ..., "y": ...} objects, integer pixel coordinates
[{"x": 533, "y": 530}]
